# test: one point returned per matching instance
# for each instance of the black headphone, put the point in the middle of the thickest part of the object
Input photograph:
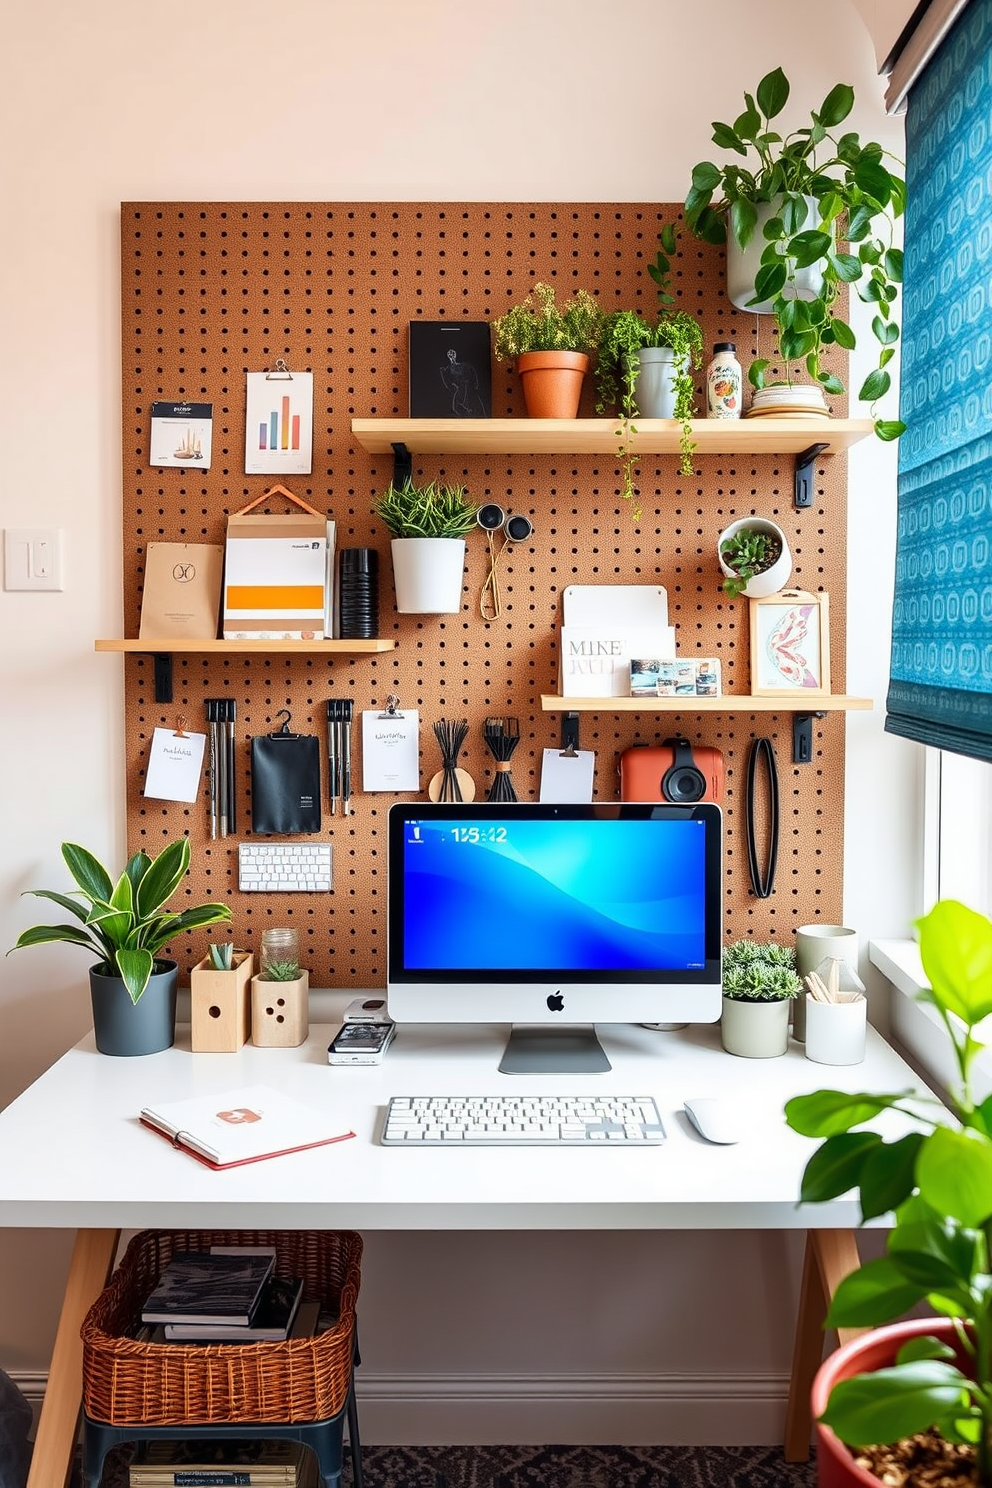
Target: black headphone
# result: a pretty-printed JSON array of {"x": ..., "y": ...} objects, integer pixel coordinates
[{"x": 683, "y": 780}]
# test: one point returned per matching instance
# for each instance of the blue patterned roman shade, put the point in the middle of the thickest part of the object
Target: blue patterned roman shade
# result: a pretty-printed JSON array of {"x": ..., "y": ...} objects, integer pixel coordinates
[{"x": 940, "y": 689}]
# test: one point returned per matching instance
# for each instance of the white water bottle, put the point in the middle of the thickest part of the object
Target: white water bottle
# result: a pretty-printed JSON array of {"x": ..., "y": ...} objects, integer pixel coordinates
[{"x": 724, "y": 383}]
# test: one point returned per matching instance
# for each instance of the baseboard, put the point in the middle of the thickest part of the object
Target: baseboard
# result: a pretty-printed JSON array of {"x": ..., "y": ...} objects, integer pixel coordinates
[{"x": 522, "y": 1410}]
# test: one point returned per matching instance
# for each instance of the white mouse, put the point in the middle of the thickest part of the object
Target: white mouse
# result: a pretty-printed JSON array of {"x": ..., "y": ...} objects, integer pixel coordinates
[{"x": 715, "y": 1118}]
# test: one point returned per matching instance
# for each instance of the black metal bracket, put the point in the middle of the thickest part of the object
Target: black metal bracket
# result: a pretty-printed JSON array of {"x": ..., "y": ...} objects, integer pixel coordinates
[
  {"x": 805, "y": 461},
  {"x": 402, "y": 464},
  {"x": 163, "y": 677},
  {"x": 570, "y": 733},
  {"x": 802, "y": 737}
]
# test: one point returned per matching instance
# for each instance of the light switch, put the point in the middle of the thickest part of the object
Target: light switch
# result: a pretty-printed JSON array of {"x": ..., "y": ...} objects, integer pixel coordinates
[{"x": 32, "y": 558}]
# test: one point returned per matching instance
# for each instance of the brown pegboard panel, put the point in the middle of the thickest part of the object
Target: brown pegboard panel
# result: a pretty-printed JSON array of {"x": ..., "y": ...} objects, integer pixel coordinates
[{"x": 211, "y": 291}]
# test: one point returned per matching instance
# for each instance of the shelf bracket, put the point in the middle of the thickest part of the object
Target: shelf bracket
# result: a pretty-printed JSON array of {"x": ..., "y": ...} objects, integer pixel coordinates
[
  {"x": 163, "y": 677},
  {"x": 802, "y": 737},
  {"x": 805, "y": 461},
  {"x": 402, "y": 464}
]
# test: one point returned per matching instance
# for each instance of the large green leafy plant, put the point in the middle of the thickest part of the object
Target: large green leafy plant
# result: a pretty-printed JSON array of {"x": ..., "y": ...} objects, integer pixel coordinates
[
  {"x": 124, "y": 923},
  {"x": 857, "y": 199},
  {"x": 937, "y": 1180}
]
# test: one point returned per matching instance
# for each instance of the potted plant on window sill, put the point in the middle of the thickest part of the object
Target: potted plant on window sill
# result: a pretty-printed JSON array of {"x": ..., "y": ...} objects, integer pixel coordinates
[
  {"x": 429, "y": 525},
  {"x": 551, "y": 345},
  {"x": 759, "y": 982},
  {"x": 132, "y": 989},
  {"x": 914, "y": 1393},
  {"x": 809, "y": 198},
  {"x": 754, "y": 557}
]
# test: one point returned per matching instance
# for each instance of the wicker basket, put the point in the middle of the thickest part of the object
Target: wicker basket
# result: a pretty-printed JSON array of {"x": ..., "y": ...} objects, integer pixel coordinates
[{"x": 127, "y": 1382}]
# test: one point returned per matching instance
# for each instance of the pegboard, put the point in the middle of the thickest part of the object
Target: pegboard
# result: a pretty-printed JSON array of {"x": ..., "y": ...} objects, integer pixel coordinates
[{"x": 211, "y": 291}]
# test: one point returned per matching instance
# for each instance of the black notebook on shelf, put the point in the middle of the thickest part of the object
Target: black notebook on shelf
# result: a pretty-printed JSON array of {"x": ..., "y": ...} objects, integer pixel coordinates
[
  {"x": 450, "y": 369},
  {"x": 204, "y": 1287}
]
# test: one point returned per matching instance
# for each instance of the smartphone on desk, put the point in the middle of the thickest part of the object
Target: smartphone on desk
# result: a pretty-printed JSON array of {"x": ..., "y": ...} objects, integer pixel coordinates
[{"x": 360, "y": 1043}]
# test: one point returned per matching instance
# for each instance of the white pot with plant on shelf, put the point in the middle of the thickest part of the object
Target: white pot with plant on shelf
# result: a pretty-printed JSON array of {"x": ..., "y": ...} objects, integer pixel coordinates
[
  {"x": 429, "y": 525},
  {"x": 754, "y": 558}
]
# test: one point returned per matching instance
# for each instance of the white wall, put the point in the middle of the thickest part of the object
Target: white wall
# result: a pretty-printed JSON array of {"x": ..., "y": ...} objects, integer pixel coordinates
[{"x": 383, "y": 99}]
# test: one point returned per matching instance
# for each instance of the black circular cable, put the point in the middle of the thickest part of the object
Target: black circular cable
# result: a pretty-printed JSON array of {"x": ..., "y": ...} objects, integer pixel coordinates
[{"x": 762, "y": 881}]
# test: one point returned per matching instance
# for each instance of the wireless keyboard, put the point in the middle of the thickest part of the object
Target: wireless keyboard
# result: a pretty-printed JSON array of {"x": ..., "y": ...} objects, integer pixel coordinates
[
  {"x": 522, "y": 1121},
  {"x": 284, "y": 867}
]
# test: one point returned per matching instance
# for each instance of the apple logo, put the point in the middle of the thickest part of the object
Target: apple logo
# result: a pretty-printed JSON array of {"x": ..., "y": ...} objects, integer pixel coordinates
[{"x": 556, "y": 1003}]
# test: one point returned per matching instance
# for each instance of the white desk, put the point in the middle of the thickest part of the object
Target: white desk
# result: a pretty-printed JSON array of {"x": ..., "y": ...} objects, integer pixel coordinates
[{"x": 73, "y": 1155}]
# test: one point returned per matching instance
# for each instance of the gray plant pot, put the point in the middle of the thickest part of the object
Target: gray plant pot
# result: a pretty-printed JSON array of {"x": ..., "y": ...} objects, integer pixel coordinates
[
  {"x": 755, "y": 1030},
  {"x": 123, "y": 1027},
  {"x": 654, "y": 390}
]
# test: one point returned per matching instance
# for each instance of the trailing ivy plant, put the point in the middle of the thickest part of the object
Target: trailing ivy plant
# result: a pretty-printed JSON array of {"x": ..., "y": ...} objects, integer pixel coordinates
[{"x": 849, "y": 235}]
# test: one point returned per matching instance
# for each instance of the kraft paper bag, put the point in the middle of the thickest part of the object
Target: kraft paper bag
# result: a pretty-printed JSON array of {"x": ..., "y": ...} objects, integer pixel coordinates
[{"x": 180, "y": 598}]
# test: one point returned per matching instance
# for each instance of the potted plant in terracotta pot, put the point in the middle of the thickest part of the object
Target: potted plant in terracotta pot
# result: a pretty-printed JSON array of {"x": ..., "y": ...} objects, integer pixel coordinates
[
  {"x": 551, "y": 345},
  {"x": 429, "y": 525},
  {"x": 914, "y": 1393},
  {"x": 759, "y": 982},
  {"x": 754, "y": 556},
  {"x": 803, "y": 216},
  {"x": 125, "y": 924}
]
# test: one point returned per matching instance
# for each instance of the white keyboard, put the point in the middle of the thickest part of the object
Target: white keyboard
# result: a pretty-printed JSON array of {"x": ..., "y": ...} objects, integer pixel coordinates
[
  {"x": 522, "y": 1121},
  {"x": 284, "y": 867}
]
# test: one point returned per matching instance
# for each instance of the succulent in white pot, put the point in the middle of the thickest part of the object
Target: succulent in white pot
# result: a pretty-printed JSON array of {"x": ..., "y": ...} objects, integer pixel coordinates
[
  {"x": 754, "y": 558},
  {"x": 759, "y": 982},
  {"x": 429, "y": 525}
]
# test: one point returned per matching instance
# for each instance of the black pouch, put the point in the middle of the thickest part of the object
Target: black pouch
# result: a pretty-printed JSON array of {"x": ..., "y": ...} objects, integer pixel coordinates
[{"x": 285, "y": 781}]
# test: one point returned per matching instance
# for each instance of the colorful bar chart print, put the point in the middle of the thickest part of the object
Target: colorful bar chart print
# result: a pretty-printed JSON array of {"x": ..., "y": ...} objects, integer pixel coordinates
[{"x": 278, "y": 423}]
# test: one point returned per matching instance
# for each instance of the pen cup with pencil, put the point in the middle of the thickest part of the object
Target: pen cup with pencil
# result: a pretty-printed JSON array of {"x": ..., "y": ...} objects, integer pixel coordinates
[{"x": 836, "y": 1014}]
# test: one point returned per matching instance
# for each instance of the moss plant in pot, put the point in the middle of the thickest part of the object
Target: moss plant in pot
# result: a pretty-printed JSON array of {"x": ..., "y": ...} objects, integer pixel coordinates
[
  {"x": 917, "y": 1393},
  {"x": 811, "y": 197},
  {"x": 125, "y": 924},
  {"x": 754, "y": 557},
  {"x": 429, "y": 525},
  {"x": 759, "y": 982},
  {"x": 551, "y": 345}
]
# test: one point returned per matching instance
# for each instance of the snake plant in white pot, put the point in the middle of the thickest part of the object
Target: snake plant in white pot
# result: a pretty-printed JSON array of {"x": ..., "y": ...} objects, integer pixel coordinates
[
  {"x": 125, "y": 924},
  {"x": 429, "y": 525}
]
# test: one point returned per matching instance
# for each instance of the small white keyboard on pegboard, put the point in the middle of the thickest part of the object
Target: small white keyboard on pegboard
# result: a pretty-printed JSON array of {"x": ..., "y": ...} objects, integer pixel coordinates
[{"x": 284, "y": 867}]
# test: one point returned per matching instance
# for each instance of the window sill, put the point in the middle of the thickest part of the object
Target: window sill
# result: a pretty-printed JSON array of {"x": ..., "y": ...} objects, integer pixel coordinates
[{"x": 917, "y": 1026}]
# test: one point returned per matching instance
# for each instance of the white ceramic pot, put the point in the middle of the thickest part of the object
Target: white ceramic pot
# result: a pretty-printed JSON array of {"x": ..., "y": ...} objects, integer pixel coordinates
[
  {"x": 773, "y": 579},
  {"x": 755, "y": 1030},
  {"x": 654, "y": 390},
  {"x": 428, "y": 573},
  {"x": 743, "y": 264}
]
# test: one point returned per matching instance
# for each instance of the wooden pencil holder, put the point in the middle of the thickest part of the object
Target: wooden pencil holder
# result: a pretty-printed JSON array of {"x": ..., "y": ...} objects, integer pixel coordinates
[
  {"x": 280, "y": 1012},
  {"x": 220, "y": 1005}
]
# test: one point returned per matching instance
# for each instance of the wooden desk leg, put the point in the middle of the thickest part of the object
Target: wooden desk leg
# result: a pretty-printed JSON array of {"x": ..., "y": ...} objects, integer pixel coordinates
[
  {"x": 58, "y": 1425},
  {"x": 830, "y": 1256}
]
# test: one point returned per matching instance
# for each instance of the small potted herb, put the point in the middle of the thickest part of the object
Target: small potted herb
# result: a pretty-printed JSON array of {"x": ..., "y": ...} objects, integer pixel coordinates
[
  {"x": 429, "y": 525},
  {"x": 759, "y": 982},
  {"x": 754, "y": 557},
  {"x": 551, "y": 346}
]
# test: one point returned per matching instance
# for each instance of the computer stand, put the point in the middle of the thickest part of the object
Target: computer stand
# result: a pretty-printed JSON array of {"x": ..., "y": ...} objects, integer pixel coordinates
[{"x": 553, "y": 1051}]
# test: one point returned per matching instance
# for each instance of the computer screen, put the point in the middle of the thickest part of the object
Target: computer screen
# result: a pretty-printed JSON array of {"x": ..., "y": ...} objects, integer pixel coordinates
[{"x": 553, "y": 918}]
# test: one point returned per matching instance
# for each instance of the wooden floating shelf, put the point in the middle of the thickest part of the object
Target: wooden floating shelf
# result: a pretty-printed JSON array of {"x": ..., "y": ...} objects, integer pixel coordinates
[
  {"x": 729, "y": 703},
  {"x": 760, "y": 436},
  {"x": 265, "y": 648}
]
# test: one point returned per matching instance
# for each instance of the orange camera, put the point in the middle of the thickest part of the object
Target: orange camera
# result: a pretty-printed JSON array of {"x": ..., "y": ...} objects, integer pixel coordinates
[{"x": 673, "y": 771}]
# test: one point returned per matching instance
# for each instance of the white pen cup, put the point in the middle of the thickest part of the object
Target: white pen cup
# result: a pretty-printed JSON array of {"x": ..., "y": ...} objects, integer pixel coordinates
[
  {"x": 813, "y": 943},
  {"x": 836, "y": 1031}
]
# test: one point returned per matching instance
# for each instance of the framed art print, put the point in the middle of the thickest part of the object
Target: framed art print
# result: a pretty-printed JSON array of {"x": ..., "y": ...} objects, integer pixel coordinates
[{"x": 790, "y": 645}]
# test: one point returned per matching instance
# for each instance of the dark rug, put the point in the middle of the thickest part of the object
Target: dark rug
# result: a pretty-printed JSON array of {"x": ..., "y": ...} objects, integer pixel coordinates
[{"x": 559, "y": 1467}]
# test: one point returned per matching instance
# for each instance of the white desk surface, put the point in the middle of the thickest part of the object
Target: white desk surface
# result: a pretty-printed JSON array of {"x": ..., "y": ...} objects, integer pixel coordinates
[{"x": 73, "y": 1155}]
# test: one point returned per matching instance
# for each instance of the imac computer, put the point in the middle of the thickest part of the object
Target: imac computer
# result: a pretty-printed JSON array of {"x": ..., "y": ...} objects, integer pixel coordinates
[{"x": 553, "y": 918}]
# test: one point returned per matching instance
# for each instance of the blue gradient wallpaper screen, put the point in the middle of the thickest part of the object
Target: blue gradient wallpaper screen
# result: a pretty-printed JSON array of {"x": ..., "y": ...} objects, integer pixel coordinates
[{"x": 554, "y": 895}]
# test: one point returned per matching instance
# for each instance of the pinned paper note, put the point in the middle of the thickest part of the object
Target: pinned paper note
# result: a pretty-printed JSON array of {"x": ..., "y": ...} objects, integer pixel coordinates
[{"x": 175, "y": 760}]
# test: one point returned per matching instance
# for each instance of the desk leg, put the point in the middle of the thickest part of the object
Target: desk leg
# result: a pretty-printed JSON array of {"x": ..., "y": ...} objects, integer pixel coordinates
[
  {"x": 58, "y": 1425},
  {"x": 830, "y": 1256}
]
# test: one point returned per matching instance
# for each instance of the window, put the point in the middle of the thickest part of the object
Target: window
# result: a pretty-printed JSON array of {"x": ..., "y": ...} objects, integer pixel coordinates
[{"x": 958, "y": 844}]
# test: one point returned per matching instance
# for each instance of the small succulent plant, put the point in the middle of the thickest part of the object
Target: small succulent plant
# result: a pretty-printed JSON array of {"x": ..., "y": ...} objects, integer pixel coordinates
[{"x": 753, "y": 972}]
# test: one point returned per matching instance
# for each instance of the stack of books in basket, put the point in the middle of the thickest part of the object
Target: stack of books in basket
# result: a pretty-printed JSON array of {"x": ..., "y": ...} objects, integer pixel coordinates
[
  {"x": 223, "y": 1464},
  {"x": 228, "y": 1294}
]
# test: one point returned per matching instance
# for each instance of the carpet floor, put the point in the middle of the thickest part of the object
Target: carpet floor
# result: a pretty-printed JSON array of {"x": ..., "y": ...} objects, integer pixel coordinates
[{"x": 559, "y": 1467}]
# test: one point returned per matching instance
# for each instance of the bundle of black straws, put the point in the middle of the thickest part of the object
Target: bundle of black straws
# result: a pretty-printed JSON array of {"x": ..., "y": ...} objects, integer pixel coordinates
[
  {"x": 450, "y": 735},
  {"x": 502, "y": 735}
]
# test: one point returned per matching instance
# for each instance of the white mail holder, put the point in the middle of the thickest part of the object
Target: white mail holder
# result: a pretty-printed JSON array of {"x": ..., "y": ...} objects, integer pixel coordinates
[{"x": 275, "y": 574}]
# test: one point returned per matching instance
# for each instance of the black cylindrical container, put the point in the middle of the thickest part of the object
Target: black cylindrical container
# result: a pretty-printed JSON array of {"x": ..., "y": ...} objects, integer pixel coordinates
[{"x": 358, "y": 593}]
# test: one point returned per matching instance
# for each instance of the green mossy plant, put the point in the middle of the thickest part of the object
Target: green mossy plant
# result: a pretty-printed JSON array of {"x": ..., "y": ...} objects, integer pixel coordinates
[
  {"x": 539, "y": 323},
  {"x": 754, "y": 972},
  {"x": 937, "y": 1181},
  {"x": 857, "y": 200}
]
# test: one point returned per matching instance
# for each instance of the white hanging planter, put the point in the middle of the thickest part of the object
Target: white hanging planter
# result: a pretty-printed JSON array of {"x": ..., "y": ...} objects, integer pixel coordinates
[
  {"x": 773, "y": 579},
  {"x": 755, "y": 1030},
  {"x": 654, "y": 390},
  {"x": 743, "y": 264},
  {"x": 428, "y": 574}
]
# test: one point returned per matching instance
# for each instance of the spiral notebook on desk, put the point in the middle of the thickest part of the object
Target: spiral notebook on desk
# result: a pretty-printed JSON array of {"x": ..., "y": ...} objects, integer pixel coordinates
[{"x": 232, "y": 1127}]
